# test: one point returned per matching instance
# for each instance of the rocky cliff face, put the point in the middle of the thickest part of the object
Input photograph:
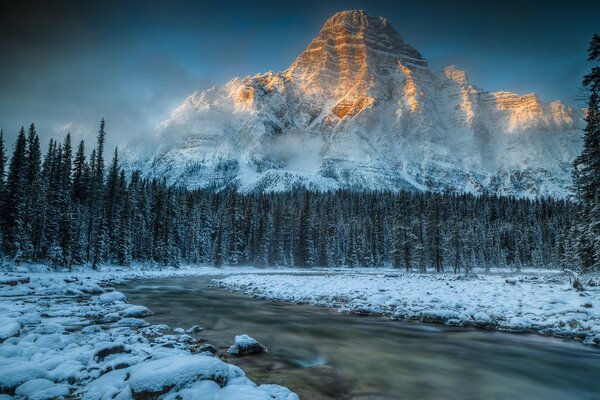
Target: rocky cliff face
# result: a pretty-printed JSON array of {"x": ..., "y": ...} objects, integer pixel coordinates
[{"x": 360, "y": 108}]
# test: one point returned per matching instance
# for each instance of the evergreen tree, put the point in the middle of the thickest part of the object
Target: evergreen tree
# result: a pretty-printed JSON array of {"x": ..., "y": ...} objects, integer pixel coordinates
[
  {"x": 2, "y": 162},
  {"x": 14, "y": 206},
  {"x": 34, "y": 193},
  {"x": 3, "y": 194},
  {"x": 586, "y": 171}
]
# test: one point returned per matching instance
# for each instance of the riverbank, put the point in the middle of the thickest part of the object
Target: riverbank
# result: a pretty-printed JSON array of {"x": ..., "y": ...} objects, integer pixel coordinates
[
  {"x": 73, "y": 335},
  {"x": 543, "y": 303}
]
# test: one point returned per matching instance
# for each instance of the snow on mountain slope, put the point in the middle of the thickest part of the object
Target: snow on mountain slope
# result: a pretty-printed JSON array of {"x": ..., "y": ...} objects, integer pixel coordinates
[{"x": 360, "y": 108}]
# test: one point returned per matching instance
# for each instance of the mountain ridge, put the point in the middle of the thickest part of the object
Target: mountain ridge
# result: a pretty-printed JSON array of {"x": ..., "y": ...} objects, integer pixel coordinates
[{"x": 359, "y": 108}]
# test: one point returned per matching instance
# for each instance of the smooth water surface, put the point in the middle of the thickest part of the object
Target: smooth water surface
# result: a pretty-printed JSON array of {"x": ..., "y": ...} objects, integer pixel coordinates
[{"x": 321, "y": 354}]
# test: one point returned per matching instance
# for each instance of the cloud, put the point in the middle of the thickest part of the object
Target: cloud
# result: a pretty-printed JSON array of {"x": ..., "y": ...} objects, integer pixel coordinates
[
  {"x": 298, "y": 151},
  {"x": 66, "y": 64}
]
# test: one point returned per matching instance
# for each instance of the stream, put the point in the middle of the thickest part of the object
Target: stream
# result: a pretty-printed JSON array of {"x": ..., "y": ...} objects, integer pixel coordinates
[{"x": 322, "y": 354}]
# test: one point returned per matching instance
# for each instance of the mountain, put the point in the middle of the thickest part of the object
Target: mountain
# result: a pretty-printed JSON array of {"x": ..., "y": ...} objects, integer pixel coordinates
[{"x": 361, "y": 109}]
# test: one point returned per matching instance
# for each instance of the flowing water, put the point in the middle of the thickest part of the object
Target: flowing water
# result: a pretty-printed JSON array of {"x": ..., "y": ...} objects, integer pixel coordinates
[{"x": 321, "y": 354}]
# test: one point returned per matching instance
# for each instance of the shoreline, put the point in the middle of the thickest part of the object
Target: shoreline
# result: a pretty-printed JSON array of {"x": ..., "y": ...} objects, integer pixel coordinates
[
  {"x": 65, "y": 334},
  {"x": 490, "y": 302}
]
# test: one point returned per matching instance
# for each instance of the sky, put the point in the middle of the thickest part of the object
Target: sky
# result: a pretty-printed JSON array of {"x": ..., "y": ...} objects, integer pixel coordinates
[{"x": 66, "y": 64}]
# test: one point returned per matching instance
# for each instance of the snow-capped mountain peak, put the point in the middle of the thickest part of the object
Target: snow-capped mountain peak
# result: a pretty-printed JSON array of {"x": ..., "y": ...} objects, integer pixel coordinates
[{"x": 360, "y": 108}]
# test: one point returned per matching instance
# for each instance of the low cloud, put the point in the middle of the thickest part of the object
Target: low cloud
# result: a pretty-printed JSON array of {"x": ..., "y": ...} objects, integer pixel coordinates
[{"x": 298, "y": 151}]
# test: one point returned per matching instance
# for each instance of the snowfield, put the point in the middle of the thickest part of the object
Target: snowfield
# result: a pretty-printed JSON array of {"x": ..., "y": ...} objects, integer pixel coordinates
[
  {"x": 70, "y": 335},
  {"x": 542, "y": 303}
]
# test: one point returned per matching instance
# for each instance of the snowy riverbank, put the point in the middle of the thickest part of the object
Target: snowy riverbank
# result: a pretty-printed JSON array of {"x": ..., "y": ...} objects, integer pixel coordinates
[
  {"x": 544, "y": 303},
  {"x": 72, "y": 335}
]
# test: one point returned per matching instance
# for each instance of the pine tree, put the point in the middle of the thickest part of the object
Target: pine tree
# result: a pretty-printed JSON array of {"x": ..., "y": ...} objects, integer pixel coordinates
[
  {"x": 14, "y": 206},
  {"x": 2, "y": 161},
  {"x": 586, "y": 170},
  {"x": 79, "y": 172},
  {"x": 2, "y": 186},
  {"x": 98, "y": 234},
  {"x": 65, "y": 202},
  {"x": 35, "y": 201}
]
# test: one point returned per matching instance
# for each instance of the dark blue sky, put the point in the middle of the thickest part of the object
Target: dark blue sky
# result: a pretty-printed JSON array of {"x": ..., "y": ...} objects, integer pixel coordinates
[{"x": 66, "y": 64}]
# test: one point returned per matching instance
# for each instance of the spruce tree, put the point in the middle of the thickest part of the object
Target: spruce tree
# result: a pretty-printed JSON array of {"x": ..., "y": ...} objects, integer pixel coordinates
[
  {"x": 35, "y": 201},
  {"x": 14, "y": 206},
  {"x": 2, "y": 186},
  {"x": 2, "y": 162},
  {"x": 586, "y": 170}
]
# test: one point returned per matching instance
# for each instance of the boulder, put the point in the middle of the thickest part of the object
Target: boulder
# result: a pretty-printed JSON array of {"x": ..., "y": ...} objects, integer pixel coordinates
[{"x": 245, "y": 345}]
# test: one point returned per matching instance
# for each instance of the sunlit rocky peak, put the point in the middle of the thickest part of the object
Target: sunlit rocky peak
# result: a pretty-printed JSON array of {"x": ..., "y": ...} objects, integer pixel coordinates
[{"x": 360, "y": 108}]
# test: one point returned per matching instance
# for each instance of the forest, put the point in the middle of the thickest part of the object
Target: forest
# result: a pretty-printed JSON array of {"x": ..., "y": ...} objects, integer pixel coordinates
[{"x": 68, "y": 208}]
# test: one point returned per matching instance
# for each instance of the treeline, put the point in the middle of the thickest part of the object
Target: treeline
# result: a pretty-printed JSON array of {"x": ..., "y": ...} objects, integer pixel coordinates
[{"x": 67, "y": 208}]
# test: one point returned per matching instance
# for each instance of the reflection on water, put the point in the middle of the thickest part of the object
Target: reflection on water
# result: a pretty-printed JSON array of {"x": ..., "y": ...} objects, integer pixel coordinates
[{"x": 321, "y": 354}]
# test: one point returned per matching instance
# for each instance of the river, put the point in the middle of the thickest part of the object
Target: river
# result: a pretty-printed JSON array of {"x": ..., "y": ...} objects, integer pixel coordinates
[{"x": 322, "y": 354}]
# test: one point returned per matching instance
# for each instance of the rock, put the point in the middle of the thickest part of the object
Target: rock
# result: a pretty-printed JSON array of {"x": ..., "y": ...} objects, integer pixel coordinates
[
  {"x": 195, "y": 329},
  {"x": 111, "y": 297},
  {"x": 245, "y": 345},
  {"x": 14, "y": 280},
  {"x": 154, "y": 378},
  {"x": 108, "y": 350},
  {"x": 9, "y": 327},
  {"x": 129, "y": 323},
  {"x": 49, "y": 328},
  {"x": 136, "y": 311},
  {"x": 17, "y": 372},
  {"x": 186, "y": 339},
  {"x": 42, "y": 389},
  {"x": 207, "y": 347}
]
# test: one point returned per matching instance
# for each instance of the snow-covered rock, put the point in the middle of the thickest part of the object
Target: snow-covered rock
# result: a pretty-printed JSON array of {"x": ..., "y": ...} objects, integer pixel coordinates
[
  {"x": 42, "y": 389},
  {"x": 195, "y": 329},
  {"x": 9, "y": 327},
  {"x": 160, "y": 376},
  {"x": 62, "y": 346},
  {"x": 360, "y": 109},
  {"x": 111, "y": 297},
  {"x": 245, "y": 345}
]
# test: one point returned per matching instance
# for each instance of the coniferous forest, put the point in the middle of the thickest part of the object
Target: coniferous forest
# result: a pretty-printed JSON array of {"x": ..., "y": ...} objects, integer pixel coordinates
[{"x": 73, "y": 206}]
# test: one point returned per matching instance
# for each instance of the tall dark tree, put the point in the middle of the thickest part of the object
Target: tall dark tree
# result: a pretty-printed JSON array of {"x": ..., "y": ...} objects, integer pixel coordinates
[
  {"x": 79, "y": 174},
  {"x": 35, "y": 200},
  {"x": 97, "y": 225},
  {"x": 14, "y": 206},
  {"x": 2, "y": 182},
  {"x": 586, "y": 171}
]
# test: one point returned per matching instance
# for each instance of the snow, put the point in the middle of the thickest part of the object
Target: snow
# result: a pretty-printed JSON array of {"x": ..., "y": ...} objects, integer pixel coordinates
[
  {"x": 8, "y": 327},
  {"x": 401, "y": 126},
  {"x": 77, "y": 336},
  {"x": 245, "y": 344},
  {"x": 177, "y": 372},
  {"x": 542, "y": 303},
  {"x": 72, "y": 335},
  {"x": 111, "y": 297},
  {"x": 42, "y": 389}
]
